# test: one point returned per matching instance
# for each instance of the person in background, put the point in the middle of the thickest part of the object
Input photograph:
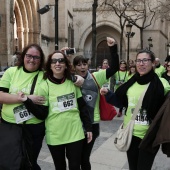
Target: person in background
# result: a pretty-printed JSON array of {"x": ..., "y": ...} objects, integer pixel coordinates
[
  {"x": 159, "y": 69},
  {"x": 105, "y": 64},
  {"x": 20, "y": 78},
  {"x": 132, "y": 71},
  {"x": 67, "y": 111},
  {"x": 130, "y": 62},
  {"x": 166, "y": 74},
  {"x": 120, "y": 78},
  {"x": 128, "y": 94},
  {"x": 90, "y": 93},
  {"x": 167, "y": 59}
]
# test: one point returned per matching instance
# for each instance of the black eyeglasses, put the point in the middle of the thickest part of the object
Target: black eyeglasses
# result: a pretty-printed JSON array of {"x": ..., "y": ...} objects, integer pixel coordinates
[
  {"x": 168, "y": 65},
  {"x": 55, "y": 60},
  {"x": 144, "y": 61},
  {"x": 29, "y": 56}
]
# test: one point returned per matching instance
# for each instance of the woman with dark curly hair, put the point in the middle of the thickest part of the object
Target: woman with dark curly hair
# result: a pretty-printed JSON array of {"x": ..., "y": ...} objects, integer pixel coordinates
[{"x": 21, "y": 79}]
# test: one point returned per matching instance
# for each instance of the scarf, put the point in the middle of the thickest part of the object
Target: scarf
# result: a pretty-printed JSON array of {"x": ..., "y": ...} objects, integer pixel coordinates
[{"x": 154, "y": 96}]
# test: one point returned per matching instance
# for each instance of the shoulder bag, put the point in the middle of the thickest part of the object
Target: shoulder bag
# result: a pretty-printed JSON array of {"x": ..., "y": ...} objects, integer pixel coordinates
[
  {"x": 124, "y": 134},
  {"x": 107, "y": 111}
]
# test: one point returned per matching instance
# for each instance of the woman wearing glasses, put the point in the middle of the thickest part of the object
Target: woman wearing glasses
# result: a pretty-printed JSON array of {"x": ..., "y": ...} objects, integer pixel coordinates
[
  {"x": 129, "y": 94},
  {"x": 20, "y": 79},
  {"x": 166, "y": 74},
  {"x": 67, "y": 111}
]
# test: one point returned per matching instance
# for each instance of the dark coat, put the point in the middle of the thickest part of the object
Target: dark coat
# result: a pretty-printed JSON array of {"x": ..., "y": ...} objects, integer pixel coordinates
[{"x": 159, "y": 131}]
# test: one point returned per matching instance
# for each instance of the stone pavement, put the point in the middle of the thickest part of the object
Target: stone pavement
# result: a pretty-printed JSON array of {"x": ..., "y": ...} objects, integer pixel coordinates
[{"x": 105, "y": 156}]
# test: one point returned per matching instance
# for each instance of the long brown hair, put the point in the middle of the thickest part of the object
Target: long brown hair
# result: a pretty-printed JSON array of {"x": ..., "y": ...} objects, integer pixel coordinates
[{"x": 48, "y": 71}]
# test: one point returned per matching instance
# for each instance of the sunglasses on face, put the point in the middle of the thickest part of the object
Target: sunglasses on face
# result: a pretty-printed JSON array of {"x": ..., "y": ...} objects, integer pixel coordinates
[
  {"x": 55, "y": 60},
  {"x": 29, "y": 56},
  {"x": 168, "y": 65}
]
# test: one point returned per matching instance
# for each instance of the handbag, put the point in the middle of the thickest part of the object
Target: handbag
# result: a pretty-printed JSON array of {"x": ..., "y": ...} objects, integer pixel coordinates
[
  {"x": 124, "y": 134},
  {"x": 10, "y": 146},
  {"x": 107, "y": 111}
]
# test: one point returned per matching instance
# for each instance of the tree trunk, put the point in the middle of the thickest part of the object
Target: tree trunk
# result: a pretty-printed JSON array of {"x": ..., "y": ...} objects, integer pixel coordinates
[{"x": 94, "y": 9}]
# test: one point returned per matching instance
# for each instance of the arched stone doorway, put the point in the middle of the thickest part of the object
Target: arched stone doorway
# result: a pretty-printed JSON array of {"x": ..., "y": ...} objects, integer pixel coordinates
[
  {"x": 102, "y": 49},
  {"x": 103, "y": 52}
]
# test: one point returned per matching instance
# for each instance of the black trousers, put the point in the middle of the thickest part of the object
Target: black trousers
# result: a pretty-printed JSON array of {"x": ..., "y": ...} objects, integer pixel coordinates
[
  {"x": 70, "y": 150},
  {"x": 37, "y": 132},
  {"x": 87, "y": 148},
  {"x": 139, "y": 159}
]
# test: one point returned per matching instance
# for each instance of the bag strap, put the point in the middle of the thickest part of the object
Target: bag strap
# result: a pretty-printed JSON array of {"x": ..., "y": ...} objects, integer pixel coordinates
[
  {"x": 139, "y": 104},
  {"x": 33, "y": 84},
  {"x": 32, "y": 89},
  {"x": 95, "y": 81}
]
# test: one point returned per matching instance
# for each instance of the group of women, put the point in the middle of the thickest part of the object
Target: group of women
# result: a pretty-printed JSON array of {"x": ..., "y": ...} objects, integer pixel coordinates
[
  {"x": 68, "y": 115},
  {"x": 53, "y": 106}
]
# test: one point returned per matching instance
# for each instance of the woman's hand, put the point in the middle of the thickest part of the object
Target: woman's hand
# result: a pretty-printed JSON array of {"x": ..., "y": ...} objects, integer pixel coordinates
[
  {"x": 80, "y": 80},
  {"x": 103, "y": 91},
  {"x": 110, "y": 41},
  {"x": 89, "y": 137},
  {"x": 40, "y": 100},
  {"x": 21, "y": 96}
]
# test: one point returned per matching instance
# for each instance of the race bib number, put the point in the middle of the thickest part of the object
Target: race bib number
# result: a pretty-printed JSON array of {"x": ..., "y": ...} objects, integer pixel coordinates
[
  {"x": 21, "y": 114},
  {"x": 66, "y": 102},
  {"x": 141, "y": 118}
]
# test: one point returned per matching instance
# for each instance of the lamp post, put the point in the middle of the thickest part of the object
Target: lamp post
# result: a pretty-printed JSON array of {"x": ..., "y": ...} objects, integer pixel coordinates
[
  {"x": 45, "y": 9},
  {"x": 168, "y": 49},
  {"x": 129, "y": 35},
  {"x": 150, "y": 42}
]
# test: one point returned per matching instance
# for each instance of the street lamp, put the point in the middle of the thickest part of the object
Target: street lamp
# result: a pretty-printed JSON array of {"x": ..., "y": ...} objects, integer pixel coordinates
[
  {"x": 150, "y": 42},
  {"x": 45, "y": 9},
  {"x": 129, "y": 35}
]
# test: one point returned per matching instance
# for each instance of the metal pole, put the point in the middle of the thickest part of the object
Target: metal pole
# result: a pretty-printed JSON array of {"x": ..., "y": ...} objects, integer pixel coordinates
[
  {"x": 128, "y": 36},
  {"x": 56, "y": 24}
]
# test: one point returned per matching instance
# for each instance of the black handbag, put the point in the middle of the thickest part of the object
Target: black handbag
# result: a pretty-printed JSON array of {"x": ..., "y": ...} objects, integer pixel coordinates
[{"x": 10, "y": 146}]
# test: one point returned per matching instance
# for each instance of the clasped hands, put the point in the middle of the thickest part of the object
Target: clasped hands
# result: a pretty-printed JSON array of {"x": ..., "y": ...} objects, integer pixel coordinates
[{"x": 40, "y": 100}]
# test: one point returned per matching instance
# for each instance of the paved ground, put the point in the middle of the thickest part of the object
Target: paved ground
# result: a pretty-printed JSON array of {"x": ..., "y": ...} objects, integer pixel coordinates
[{"x": 105, "y": 156}]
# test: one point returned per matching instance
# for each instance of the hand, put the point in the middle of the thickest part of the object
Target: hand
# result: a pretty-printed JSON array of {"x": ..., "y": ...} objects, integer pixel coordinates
[
  {"x": 80, "y": 80},
  {"x": 110, "y": 41},
  {"x": 64, "y": 48},
  {"x": 103, "y": 91},
  {"x": 63, "y": 51},
  {"x": 40, "y": 100},
  {"x": 21, "y": 96},
  {"x": 89, "y": 137}
]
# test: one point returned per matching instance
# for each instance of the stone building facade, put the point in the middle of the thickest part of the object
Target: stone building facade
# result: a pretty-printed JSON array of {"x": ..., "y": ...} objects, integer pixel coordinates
[{"x": 21, "y": 24}]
